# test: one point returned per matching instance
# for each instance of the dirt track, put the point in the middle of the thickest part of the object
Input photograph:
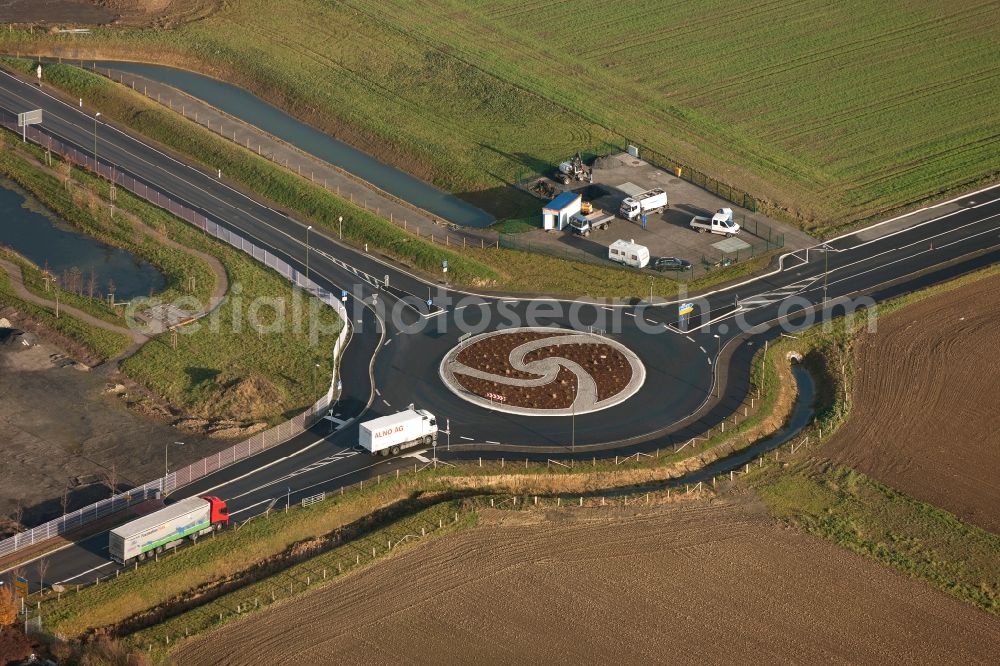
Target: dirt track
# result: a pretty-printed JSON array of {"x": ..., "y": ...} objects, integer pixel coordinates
[
  {"x": 692, "y": 583},
  {"x": 925, "y": 416}
]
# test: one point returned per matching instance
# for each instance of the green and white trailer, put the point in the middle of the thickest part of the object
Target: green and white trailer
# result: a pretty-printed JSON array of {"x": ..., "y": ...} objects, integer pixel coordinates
[{"x": 166, "y": 528}]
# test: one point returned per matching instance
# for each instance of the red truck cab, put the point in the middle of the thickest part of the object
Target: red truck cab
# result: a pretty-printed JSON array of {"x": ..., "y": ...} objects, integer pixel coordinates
[{"x": 219, "y": 512}]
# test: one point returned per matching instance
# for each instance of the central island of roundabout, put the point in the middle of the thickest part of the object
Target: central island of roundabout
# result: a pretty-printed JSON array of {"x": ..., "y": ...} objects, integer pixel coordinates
[{"x": 542, "y": 371}]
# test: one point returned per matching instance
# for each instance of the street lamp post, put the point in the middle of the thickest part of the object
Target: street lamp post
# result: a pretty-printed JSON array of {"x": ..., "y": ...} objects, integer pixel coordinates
[
  {"x": 308, "y": 229},
  {"x": 166, "y": 448},
  {"x": 826, "y": 268},
  {"x": 340, "y": 222},
  {"x": 718, "y": 353},
  {"x": 572, "y": 441},
  {"x": 97, "y": 169}
]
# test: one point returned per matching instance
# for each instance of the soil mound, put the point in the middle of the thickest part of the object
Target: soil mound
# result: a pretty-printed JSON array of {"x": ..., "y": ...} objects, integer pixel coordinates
[
  {"x": 607, "y": 162},
  {"x": 242, "y": 398}
]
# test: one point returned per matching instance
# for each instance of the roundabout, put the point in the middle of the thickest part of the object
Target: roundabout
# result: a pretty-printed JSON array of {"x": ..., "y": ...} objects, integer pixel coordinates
[{"x": 538, "y": 371}]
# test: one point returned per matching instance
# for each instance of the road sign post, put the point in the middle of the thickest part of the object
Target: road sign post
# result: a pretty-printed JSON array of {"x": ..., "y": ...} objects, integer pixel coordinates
[
  {"x": 21, "y": 587},
  {"x": 683, "y": 312},
  {"x": 28, "y": 118}
]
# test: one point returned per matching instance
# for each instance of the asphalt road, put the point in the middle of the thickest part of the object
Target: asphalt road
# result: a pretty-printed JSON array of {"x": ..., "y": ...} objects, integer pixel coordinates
[{"x": 398, "y": 342}]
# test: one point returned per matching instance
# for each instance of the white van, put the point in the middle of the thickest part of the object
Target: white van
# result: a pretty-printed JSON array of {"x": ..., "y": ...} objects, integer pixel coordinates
[{"x": 629, "y": 253}]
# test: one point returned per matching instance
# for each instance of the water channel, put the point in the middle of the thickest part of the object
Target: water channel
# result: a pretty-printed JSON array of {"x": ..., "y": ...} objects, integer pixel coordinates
[
  {"x": 36, "y": 233},
  {"x": 249, "y": 108}
]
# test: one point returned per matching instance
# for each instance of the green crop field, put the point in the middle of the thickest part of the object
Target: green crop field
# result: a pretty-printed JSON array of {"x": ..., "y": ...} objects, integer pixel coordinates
[{"x": 833, "y": 111}]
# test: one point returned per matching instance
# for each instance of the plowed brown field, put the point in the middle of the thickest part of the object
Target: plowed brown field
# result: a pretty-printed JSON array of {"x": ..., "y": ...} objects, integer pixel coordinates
[
  {"x": 692, "y": 583},
  {"x": 926, "y": 414}
]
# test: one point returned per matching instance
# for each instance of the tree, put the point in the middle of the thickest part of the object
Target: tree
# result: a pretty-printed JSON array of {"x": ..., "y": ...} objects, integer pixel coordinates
[
  {"x": 8, "y": 606},
  {"x": 111, "y": 479},
  {"x": 65, "y": 498},
  {"x": 43, "y": 568}
]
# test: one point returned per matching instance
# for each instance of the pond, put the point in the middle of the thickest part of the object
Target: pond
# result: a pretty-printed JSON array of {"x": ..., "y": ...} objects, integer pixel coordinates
[{"x": 77, "y": 259}]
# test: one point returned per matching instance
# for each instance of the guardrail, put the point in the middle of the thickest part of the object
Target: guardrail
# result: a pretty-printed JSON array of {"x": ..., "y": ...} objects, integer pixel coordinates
[{"x": 249, "y": 447}]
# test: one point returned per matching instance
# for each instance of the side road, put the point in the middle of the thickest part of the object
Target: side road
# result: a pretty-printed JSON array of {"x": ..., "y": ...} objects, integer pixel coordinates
[{"x": 288, "y": 156}]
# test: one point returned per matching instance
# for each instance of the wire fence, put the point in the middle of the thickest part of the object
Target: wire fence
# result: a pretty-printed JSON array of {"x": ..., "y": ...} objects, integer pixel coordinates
[{"x": 259, "y": 442}]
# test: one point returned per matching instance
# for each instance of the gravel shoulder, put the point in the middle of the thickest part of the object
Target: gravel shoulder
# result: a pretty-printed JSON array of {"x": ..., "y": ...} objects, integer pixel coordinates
[{"x": 705, "y": 582}]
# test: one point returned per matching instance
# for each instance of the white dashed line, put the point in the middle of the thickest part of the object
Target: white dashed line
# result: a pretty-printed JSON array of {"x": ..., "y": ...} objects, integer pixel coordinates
[
  {"x": 489, "y": 442},
  {"x": 386, "y": 402},
  {"x": 468, "y": 439},
  {"x": 690, "y": 339},
  {"x": 702, "y": 349}
]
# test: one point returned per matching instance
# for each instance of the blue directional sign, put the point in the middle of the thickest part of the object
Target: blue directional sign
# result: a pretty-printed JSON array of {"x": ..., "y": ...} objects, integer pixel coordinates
[
  {"x": 343, "y": 295},
  {"x": 685, "y": 309},
  {"x": 429, "y": 302}
]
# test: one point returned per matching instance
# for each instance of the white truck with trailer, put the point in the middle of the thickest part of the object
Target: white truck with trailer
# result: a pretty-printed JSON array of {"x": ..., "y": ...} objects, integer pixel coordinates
[
  {"x": 583, "y": 224},
  {"x": 187, "y": 519},
  {"x": 395, "y": 432},
  {"x": 629, "y": 253},
  {"x": 644, "y": 203},
  {"x": 720, "y": 223}
]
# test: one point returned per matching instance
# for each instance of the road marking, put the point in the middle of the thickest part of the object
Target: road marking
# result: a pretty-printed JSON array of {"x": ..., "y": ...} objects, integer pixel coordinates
[
  {"x": 270, "y": 499},
  {"x": 489, "y": 442},
  {"x": 386, "y": 344},
  {"x": 84, "y": 573},
  {"x": 939, "y": 247},
  {"x": 605, "y": 307},
  {"x": 468, "y": 439},
  {"x": 630, "y": 314},
  {"x": 702, "y": 349},
  {"x": 690, "y": 339},
  {"x": 329, "y": 460},
  {"x": 378, "y": 393},
  {"x": 263, "y": 467},
  {"x": 709, "y": 361},
  {"x": 386, "y": 402}
]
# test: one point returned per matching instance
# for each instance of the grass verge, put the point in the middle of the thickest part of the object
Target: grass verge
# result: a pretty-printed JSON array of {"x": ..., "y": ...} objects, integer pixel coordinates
[{"x": 495, "y": 268}]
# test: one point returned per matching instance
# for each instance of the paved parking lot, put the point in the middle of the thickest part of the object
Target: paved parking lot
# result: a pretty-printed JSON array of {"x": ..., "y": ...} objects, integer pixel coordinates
[{"x": 666, "y": 233}]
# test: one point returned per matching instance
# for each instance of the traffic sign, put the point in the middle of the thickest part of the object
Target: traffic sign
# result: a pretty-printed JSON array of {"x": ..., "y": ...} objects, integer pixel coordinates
[
  {"x": 21, "y": 587},
  {"x": 444, "y": 266},
  {"x": 685, "y": 308},
  {"x": 343, "y": 295},
  {"x": 29, "y": 118}
]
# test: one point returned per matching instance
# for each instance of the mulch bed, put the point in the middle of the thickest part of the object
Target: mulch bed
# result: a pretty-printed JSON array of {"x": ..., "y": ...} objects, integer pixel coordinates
[
  {"x": 608, "y": 366},
  {"x": 493, "y": 354},
  {"x": 558, "y": 394}
]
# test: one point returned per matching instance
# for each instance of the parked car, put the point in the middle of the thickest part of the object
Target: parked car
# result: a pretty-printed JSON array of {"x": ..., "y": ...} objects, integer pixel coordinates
[{"x": 670, "y": 264}]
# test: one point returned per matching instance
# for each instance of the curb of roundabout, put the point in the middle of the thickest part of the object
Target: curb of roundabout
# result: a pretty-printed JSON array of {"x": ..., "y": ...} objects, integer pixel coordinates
[{"x": 590, "y": 394}]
